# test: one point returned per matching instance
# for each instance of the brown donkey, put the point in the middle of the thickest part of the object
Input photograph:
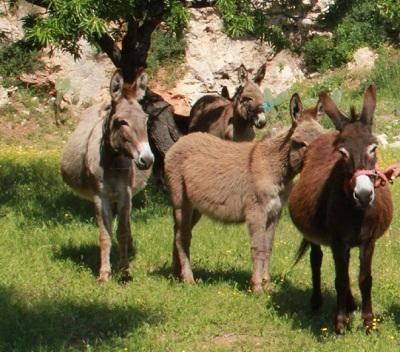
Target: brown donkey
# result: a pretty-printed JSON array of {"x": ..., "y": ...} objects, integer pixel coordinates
[
  {"x": 232, "y": 119},
  {"x": 335, "y": 204},
  {"x": 236, "y": 182},
  {"x": 107, "y": 160}
]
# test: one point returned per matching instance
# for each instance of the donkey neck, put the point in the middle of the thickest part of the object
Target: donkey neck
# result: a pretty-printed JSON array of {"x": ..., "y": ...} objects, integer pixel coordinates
[
  {"x": 242, "y": 129},
  {"x": 111, "y": 159},
  {"x": 276, "y": 152}
]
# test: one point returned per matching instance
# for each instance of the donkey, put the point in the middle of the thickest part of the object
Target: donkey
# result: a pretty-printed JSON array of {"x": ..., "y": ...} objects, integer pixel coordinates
[
  {"x": 237, "y": 182},
  {"x": 335, "y": 204},
  {"x": 107, "y": 159},
  {"x": 232, "y": 119}
]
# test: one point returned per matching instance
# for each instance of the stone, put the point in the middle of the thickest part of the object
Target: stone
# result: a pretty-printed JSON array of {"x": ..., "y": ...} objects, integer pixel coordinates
[
  {"x": 4, "y": 100},
  {"x": 383, "y": 140},
  {"x": 89, "y": 76},
  {"x": 212, "y": 59},
  {"x": 363, "y": 60}
]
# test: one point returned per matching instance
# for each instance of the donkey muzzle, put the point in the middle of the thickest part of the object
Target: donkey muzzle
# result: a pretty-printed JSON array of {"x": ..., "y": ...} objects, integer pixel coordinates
[
  {"x": 260, "y": 120},
  {"x": 364, "y": 192},
  {"x": 145, "y": 157}
]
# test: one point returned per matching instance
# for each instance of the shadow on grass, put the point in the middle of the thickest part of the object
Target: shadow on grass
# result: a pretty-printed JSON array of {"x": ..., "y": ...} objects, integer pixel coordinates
[
  {"x": 88, "y": 256},
  {"x": 236, "y": 278},
  {"x": 52, "y": 325},
  {"x": 294, "y": 303},
  {"x": 394, "y": 311},
  {"x": 34, "y": 188}
]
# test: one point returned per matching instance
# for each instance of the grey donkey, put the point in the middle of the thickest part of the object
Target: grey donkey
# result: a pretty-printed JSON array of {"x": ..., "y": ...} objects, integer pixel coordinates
[{"x": 107, "y": 159}]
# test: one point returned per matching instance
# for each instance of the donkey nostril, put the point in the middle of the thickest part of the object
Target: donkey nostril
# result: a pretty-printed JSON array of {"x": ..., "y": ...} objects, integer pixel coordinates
[
  {"x": 364, "y": 197},
  {"x": 146, "y": 161}
]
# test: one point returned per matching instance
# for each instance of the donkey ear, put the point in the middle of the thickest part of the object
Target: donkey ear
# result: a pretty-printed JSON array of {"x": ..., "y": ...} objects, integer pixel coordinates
[
  {"x": 319, "y": 110},
  {"x": 242, "y": 74},
  {"x": 141, "y": 83},
  {"x": 258, "y": 78},
  {"x": 296, "y": 108},
  {"x": 367, "y": 114},
  {"x": 329, "y": 106},
  {"x": 116, "y": 85},
  {"x": 225, "y": 92}
]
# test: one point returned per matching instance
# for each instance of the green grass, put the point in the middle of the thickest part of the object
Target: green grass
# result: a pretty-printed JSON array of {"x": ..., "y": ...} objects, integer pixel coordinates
[{"x": 50, "y": 300}]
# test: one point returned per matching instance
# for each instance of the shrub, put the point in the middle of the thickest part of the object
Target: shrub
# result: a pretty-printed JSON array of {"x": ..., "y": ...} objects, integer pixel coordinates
[
  {"x": 166, "y": 49},
  {"x": 17, "y": 58},
  {"x": 318, "y": 53},
  {"x": 353, "y": 24},
  {"x": 386, "y": 74}
]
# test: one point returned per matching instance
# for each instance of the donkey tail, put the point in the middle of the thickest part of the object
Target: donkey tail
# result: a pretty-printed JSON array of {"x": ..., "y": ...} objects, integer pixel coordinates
[{"x": 304, "y": 245}]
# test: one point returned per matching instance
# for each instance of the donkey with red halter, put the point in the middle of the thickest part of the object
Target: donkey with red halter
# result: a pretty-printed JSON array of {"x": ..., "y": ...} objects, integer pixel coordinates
[{"x": 343, "y": 201}]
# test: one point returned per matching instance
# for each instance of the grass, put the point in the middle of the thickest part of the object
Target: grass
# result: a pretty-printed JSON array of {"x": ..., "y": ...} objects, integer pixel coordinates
[
  {"x": 50, "y": 300},
  {"x": 29, "y": 120}
]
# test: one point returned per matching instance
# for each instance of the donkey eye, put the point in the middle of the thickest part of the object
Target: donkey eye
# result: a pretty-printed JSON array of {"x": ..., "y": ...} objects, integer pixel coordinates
[
  {"x": 371, "y": 150},
  {"x": 246, "y": 99},
  {"x": 345, "y": 153}
]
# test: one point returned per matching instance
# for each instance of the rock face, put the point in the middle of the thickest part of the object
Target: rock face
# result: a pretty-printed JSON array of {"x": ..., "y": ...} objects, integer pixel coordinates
[
  {"x": 212, "y": 59},
  {"x": 89, "y": 76},
  {"x": 3, "y": 96},
  {"x": 363, "y": 60},
  {"x": 11, "y": 20}
]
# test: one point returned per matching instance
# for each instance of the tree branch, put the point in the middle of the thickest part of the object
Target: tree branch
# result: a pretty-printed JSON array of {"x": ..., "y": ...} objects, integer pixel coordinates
[{"x": 107, "y": 44}]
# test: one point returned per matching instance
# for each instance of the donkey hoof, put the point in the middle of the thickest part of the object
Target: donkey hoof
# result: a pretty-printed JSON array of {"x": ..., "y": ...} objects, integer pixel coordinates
[
  {"x": 257, "y": 289},
  {"x": 340, "y": 324},
  {"x": 188, "y": 280},
  {"x": 104, "y": 276},
  {"x": 370, "y": 324},
  {"x": 126, "y": 277}
]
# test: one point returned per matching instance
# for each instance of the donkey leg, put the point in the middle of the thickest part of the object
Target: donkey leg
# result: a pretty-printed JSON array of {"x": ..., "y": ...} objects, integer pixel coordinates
[
  {"x": 196, "y": 215},
  {"x": 259, "y": 246},
  {"x": 269, "y": 241},
  {"x": 182, "y": 240},
  {"x": 104, "y": 221},
  {"x": 350, "y": 303},
  {"x": 124, "y": 234},
  {"x": 316, "y": 261},
  {"x": 365, "y": 283},
  {"x": 340, "y": 256}
]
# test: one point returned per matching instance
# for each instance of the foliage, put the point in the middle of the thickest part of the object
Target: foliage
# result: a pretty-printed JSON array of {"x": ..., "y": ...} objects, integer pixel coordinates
[
  {"x": 353, "y": 24},
  {"x": 318, "y": 53},
  {"x": 15, "y": 59},
  {"x": 50, "y": 300},
  {"x": 390, "y": 10},
  {"x": 166, "y": 49},
  {"x": 68, "y": 21},
  {"x": 386, "y": 74},
  {"x": 242, "y": 17}
]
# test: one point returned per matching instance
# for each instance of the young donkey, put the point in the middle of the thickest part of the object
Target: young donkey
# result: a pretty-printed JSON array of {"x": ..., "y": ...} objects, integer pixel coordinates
[
  {"x": 232, "y": 119},
  {"x": 237, "y": 182},
  {"x": 335, "y": 204},
  {"x": 107, "y": 160}
]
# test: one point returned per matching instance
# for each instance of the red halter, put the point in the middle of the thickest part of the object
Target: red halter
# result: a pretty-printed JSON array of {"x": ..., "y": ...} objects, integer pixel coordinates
[{"x": 380, "y": 178}]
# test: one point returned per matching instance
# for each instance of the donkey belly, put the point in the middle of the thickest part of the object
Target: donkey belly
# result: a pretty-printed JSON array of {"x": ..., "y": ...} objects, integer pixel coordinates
[
  {"x": 74, "y": 157},
  {"x": 222, "y": 209},
  {"x": 308, "y": 216}
]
